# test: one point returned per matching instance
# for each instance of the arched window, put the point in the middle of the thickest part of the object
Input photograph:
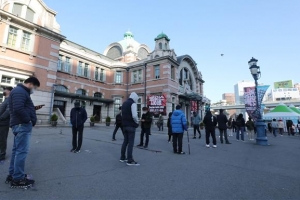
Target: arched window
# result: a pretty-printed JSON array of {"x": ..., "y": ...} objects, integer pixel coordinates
[
  {"x": 29, "y": 15},
  {"x": 166, "y": 46},
  {"x": 142, "y": 53},
  {"x": 61, "y": 88},
  {"x": 98, "y": 95},
  {"x": 157, "y": 56},
  {"x": 81, "y": 92},
  {"x": 114, "y": 52},
  {"x": 160, "y": 45}
]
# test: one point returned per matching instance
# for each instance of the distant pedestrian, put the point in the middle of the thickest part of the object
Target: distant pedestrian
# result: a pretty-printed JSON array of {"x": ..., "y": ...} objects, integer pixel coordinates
[
  {"x": 78, "y": 117},
  {"x": 250, "y": 128},
  {"x": 240, "y": 124},
  {"x": 280, "y": 126},
  {"x": 229, "y": 126},
  {"x": 169, "y": 127},
  {"x": 233, "y": 125},
  {"x": 210, "y": 123},
  {"x": 146, "y": 122},
  {"x": 118, "y": 124},
  {"x": 129, "y": 123},
  {"x": 293, "y": 128},
  {"x": 196, "y": 123},
  {"x": 289, "y": 124},
  {"x": 22, "y": 119},
  {"x": 270, "y": 127},
  {"x": 274, "y": 125},
  {"x": 4, "y": 122},
  {"x": 160, "y": 123},
  {"x": 179, "y": 125},
  {"x": 222, "y": 125}
]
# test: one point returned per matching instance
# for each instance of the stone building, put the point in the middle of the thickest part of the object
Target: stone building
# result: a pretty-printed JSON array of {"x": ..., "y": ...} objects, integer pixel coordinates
[{"x": 32, "y": 45}]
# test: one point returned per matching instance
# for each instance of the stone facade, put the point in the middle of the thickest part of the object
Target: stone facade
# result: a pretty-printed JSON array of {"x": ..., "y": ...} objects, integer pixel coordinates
[{"x": 33, "y": 46}]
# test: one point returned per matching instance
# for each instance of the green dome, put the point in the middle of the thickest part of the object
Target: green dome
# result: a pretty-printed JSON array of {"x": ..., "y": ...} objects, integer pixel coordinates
[
  {"x": 161, "y": 36},
  {"x": 128, "y": 34}
]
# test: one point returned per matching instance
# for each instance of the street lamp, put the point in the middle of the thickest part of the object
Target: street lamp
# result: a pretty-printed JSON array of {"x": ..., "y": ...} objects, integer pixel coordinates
[{"x": 261, "y": 138}]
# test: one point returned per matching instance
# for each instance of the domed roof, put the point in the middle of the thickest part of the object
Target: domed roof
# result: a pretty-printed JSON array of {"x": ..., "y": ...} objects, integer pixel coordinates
[
  {"x": 128, "y": 34},
  {"x": 161, "y": 36}
]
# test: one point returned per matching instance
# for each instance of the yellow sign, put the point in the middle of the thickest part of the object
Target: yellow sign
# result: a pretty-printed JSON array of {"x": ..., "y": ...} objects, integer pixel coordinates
[{"x": 283, "y": 84}]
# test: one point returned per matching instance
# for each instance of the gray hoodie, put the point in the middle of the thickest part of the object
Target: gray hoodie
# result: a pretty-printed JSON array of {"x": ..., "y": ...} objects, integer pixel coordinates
[{"x": 135, "y": 98}]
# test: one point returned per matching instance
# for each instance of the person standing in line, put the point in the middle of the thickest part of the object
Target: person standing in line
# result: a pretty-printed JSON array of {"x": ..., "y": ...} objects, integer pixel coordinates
[
  {"x": 229, "y": 126},
  {"x": 78, "y": 117},
  {"x": 160, "y": 123},
  {"x": 4, "y": 123},
  {"x": 129, "y": 123},
  {"x": 118, "y": 124},
  {"x": 233, "y": 126},
  {"x": 22, "y": 119},
  {"x": 274, "y": 125},
  {"x": 250, "y": 128},
  {"x": 280, "y": 126},
  {"x": 222, "y": 125},
  {"x": 169, "y": 127},
  {"x": 210, "y": 123},
  {"x": 240, "y": 123},
  {"x": 146, "y": 127},
  {"x": 196, "y": 123},
  {"x": 179, "y": 125}
]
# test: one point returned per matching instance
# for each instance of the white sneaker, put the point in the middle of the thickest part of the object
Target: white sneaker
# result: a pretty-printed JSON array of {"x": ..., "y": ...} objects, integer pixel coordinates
[
  {"x": 214, "y": 146},
  {"x": 207, "y": 146}
]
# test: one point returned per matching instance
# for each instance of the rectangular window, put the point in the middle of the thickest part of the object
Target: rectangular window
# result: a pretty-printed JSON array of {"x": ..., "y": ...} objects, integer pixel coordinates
[
  {"x": 118, "y": 76},
  {"x": 137, "y": 76},
  {"x": 102, "y": 75},
  {"x": 173, "y": 72},
  {"x": 117, "y": 106},
  {"x": 156, "y": 72},
  {"x": 29, "y": 15},
  {"x": 12, "y": 37},
  {"x": 80, "y": 69},
  {"x": 67, "y": 65},
  {"x": 25, "y": 41},
  {"x": 17, "y": 9},
  {"x": 17, "y": 81},
  {"x": 86, "y": 70},
  {"x": 59, "y": 63},
  {"x": 139, "y": 107},
  {"x": 6, "y": 79},
  {"x": 97, "y": 73}
]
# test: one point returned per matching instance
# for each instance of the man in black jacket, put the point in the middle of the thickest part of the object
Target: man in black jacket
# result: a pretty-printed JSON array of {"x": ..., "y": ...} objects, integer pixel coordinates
[
  {"x": 78, "y": 117},
  {"x": 4, "y": 123},
  {"x": 210, "y": 123},
  {"x": 118, "y": 124},
  {"x": 146, "y": 127},
  {"x": 222, "y": 125}
]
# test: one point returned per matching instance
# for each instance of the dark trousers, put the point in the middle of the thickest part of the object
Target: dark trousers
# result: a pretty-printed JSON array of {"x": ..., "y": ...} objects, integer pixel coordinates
[
  {"x": 223, "y": 132},
  {"x": 212, "y": 133},
  {"x": 170, "y": 136},
  {"x": 145, "y": 132},
  {"x": 161, "y": 126},
  {"x": 177, "y": 139},
  {"x": 77, "y": 131},
  {"x": 196, "y": 129},
  {"x": 234, "y": 129},
  {"x": 3, "y": 141},
  {"x": 116, "y": 130},
  {"x": 129, "y": 135}
]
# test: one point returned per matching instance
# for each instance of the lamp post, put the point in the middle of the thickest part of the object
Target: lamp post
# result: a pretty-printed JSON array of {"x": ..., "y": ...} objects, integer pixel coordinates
[{"x": 261, "y": 138}]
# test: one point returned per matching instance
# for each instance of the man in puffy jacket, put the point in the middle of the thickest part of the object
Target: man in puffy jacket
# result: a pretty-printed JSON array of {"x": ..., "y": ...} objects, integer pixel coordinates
[
  {"x": 4, "y": 123},
  {"x": 78, "y": 117},
  {"x": 129, "y": 123},
  {"x": 196, "y": 123},
  {"x": 222, "y": 125},
  {"x": 22, "y": 119},
  {"x": 179, "y": 125}
]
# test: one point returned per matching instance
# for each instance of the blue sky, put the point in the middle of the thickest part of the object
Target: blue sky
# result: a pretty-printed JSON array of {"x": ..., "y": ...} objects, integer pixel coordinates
[{"x": 265, "y": 29}]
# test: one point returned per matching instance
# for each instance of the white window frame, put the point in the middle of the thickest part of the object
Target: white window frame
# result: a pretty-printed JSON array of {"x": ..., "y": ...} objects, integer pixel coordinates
[
  {"x": 156, "y": 76},
  {"x": 15, "y": 36},
  {"x": 118, "y": 78},
  {"x": 86, "y": 69},
  {"x": 80, "y": 68},
  {"x": 139, "y": 105},
  {"x": 26, "y": 40}
]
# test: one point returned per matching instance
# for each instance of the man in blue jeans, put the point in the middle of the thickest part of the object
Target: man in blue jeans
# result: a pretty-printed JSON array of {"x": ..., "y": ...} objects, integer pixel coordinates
[
  {"x": 129, "y": 123},
  {"x": 22, "y": 119}
]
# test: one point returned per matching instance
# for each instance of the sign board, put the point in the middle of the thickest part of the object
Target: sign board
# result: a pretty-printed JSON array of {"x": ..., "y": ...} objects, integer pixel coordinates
[
  {"x": 194, "y": 106},
  {"x": 283, "y": 84},
  {"x": 157, "y": 104}
]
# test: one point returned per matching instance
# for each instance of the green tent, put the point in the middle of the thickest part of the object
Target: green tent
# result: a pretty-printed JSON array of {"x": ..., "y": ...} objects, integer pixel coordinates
[
  {"x": 293, "y": 108},
  {"x": 282, "y": 112}
]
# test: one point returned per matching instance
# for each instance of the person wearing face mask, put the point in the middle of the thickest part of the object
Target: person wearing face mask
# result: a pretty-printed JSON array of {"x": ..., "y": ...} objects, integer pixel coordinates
[
  {"x": 4, "y": 123},
  {"x": 146, "y": 127},
  {"x": 210, "y": 123},
  {"x": 22, "y": 119},
  {"x": 78, "y": 117}
]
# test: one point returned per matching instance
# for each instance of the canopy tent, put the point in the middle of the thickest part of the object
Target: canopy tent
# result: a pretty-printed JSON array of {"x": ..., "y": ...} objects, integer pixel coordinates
[
  {"x": 282, "y": 112},
  {"x": 293, "y": 108}
]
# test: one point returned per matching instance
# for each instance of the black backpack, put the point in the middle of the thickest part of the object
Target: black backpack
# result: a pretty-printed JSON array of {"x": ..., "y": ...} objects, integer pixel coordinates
[{"x": 238, "y": 122}]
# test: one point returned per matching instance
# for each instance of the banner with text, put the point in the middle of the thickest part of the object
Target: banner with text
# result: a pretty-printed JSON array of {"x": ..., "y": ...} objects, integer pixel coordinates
[
  {"x": 250, "y": 100},
  {"x": 157, "y": 104}
]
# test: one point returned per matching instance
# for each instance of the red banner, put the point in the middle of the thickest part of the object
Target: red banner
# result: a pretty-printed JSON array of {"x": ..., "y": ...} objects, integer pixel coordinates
[
  {"x": 194, "y": 106},
  {"x": 157, "y": 104}
]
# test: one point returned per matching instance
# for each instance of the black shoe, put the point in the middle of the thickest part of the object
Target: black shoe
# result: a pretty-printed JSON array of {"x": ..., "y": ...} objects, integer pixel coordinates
[
  {"x": 23, "y": 183},
  {"x": 77, "y": 151},
  {"x": 146, "y": 147},
  {"x": 9, "y": 178},
  {"x": 175, "y": 151},
  {"x": 140, "y": 145},
  {"x": 194, "y": 137},
  {"x": 72, "y": 150},
  {"x": 132, "y": 163},
  {"x": 113, "y": 139},
  {"x": 228, "y": 143},
  {"x": 181, "y": 152},
  {"x": 221, "y": 142}
]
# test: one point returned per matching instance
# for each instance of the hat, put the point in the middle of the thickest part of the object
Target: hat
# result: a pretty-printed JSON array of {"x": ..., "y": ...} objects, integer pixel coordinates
[
  {"x": 8, "y": 88},
  {"x": 178, "y": 107},
  {"x": 77, "y": 103}
]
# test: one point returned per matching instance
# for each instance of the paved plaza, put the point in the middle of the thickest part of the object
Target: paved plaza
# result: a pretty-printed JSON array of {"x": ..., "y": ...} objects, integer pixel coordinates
[{"x": 236, "y": 171}]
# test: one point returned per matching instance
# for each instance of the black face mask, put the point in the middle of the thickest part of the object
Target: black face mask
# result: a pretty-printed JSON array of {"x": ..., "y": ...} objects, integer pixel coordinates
[{"x": 4, "y": 94}]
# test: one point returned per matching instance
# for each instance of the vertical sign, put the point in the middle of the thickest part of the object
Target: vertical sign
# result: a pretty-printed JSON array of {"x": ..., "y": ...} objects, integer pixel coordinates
[
  {"x": 157, "y": 104},
  {"x": 194, "y": 106}
]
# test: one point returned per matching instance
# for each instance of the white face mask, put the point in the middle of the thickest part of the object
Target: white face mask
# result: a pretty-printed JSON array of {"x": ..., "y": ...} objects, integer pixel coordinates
[
  {"x": 144, "y": 112},
  {"x": 32, "y": 91}
]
